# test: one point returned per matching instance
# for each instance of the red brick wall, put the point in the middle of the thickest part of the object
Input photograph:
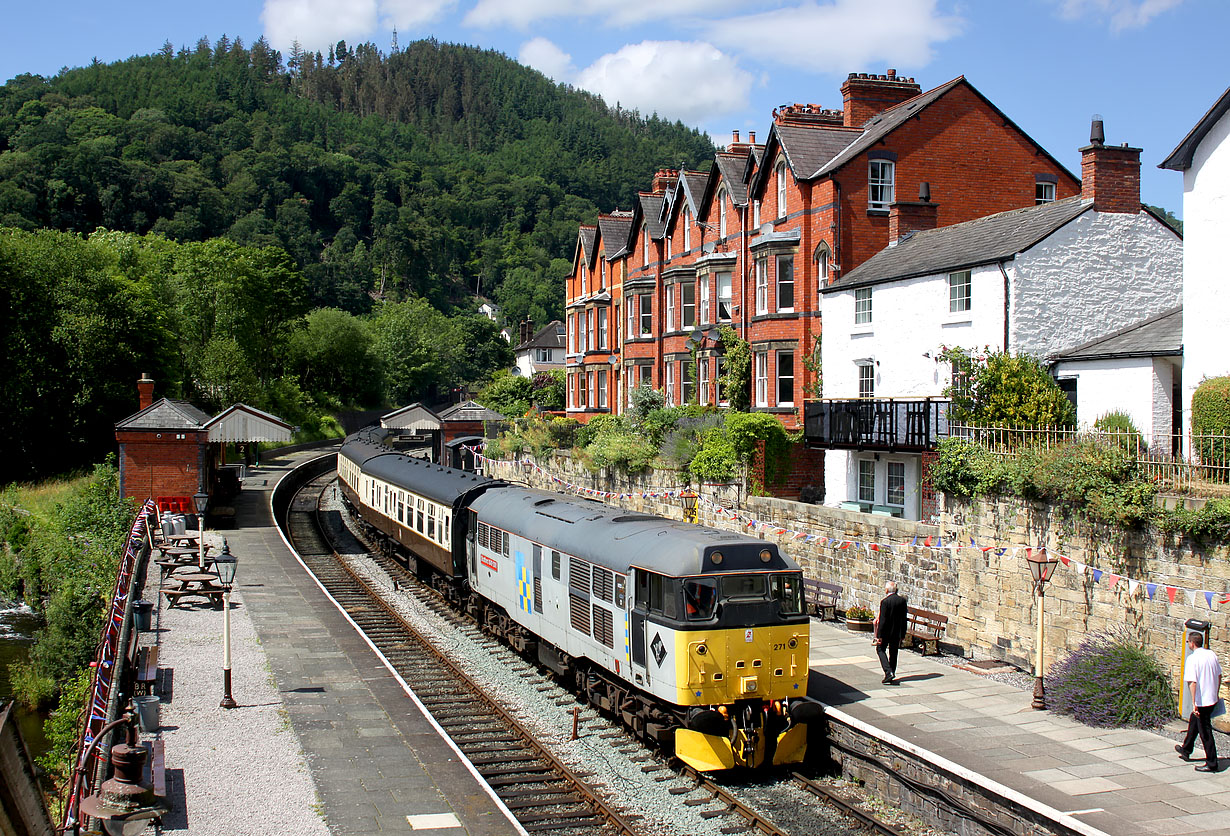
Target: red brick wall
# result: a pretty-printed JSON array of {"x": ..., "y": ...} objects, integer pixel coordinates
[
  {"x": 930, "y": 497},
  {"x": 164, "y": 463},
  {"x": 1111, "y": 176},
  {"x": 806, "y": 471}
]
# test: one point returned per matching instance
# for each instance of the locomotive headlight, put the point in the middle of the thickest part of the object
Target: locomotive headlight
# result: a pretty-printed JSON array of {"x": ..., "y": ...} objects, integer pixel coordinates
[
  {"x": 717, "y": 558},
  {"x": 792, "y": 644},
  {"x": 765, "y": 555},
  {"x": 701, "y": 650}
]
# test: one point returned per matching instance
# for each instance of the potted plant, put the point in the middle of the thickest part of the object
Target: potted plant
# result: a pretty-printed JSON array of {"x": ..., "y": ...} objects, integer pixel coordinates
[{"x": 859, "y": 619}]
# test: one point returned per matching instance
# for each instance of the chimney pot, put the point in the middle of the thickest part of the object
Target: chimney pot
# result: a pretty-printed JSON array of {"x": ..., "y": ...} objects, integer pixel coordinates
[
  {"x": 145, "y": 390},
  {"x": 751, "y": 137},
  {"x": 1097, "y": 133},
  {"x": 734, "y": 137},
  {"x": 924, "y": 192}
]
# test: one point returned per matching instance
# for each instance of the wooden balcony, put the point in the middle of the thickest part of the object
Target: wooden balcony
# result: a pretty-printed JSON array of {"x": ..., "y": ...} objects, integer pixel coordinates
[{"x": 907, "y": 425}]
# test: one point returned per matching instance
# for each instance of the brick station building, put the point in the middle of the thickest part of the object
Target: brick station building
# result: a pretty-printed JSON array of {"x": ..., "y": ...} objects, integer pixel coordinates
[{"x": 752, "y": 240}]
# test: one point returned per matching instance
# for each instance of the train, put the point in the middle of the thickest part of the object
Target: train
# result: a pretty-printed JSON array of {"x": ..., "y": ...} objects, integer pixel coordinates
[{"x": 695, "y": 638}]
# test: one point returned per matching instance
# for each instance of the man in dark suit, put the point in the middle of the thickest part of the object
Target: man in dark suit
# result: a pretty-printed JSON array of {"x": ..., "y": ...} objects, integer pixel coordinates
[{"x": 890, "y": 630}]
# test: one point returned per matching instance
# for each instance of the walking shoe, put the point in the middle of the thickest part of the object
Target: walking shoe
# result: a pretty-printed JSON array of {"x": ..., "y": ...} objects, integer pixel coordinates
[
  {"x": 888, "y": 680},
  {"x": 1204, "y": 767},
  {"x": 1182, "y": 755}
]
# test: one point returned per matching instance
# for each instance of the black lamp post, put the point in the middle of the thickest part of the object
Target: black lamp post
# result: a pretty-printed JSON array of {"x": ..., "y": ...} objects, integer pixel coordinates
[
  {"x": 225, "y": 565},
  {"x": 1040, "y": 569},
  {"x": 689, "y": 498},
  {"x": 200, "y": 501}
]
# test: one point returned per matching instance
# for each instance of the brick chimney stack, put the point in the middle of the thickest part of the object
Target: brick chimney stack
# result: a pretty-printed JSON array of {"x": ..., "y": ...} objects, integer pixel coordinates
[
  {"x": 751, "y": 137},
  {"x": 145, "y": 390},
  {"x": 664, "y": 179},
  {"x": 1110, "y": 175},
  {"x": 905, "y": 217},
  {"x": 864, "y": 95}
]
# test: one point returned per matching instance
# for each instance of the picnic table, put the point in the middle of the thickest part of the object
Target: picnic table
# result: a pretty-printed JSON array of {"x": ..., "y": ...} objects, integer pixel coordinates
[{"x": 194, "y": 584}]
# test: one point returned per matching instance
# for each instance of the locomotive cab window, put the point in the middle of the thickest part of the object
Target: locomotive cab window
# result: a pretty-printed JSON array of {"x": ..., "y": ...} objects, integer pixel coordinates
[
  {"x": 735, "y": 587},
  {"x": 657, "y": 593},
  {"x": 787, "y": 590},
  {"x": 699, "y": 598}
]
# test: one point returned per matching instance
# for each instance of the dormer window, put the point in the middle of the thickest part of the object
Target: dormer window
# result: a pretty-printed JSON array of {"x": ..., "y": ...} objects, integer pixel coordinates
[
  {"x": 1044, "y": 188},
  {"x": 687, "y": 229},
  {"x": 781, "y": 188},
  {"x": 602, "y": 271},
  {"x": 644, "y": 245},
  {"x": 722, "y": 213},
  {"x": 583, "y": 280}
]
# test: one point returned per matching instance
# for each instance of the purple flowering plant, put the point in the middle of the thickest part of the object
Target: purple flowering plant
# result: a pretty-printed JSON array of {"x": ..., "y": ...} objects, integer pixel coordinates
[{"x": 1110, "y": 680}]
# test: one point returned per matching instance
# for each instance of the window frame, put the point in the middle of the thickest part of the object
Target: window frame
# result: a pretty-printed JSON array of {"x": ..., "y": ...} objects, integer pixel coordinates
[
  {"x": 960, "y": 291},
  {"x": 761, "y": 375},
  {"x": 646, "y": 315},
  {"x": 603, "y": 316},
  {"x": 602, "y": 389},
  {"x": 867, "y": 487},
  {"x": 862, "y": 306},
  {"x": 888, "y": 485},
  {"x": 687, "y": 310},
  {"x": 779, "y": 172},
  {"x": 866, "y": 380},
  {"x": 670, "y": 308},
  {"x": 702, "y": 384},
  {"x": 722, "y": 212},
  {"x": 788, "y": 356},
  {"x": 728, "y": 288},
  {"x": 702, "y": 311},
  {"x": 669, "y": 385},
  {"x": 762, "y": 285},
  {"x": 881, "y": 184},
  {"x": 784, "y": 285},
  {"x": 686, "y": 220},
  {"x": 1041, "y": 189}
]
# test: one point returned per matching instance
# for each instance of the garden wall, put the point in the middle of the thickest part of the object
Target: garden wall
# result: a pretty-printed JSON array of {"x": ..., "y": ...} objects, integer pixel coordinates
[{"x": 987, "y": 595}]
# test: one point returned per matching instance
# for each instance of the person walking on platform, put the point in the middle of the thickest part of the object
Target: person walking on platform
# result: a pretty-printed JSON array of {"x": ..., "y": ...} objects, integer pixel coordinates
[
  {"x": 890, "y": 630},
  {"x": 1202, "y": 676}
]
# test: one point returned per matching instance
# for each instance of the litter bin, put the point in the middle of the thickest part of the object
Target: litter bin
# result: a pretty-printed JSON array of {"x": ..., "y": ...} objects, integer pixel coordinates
[
  {"x": 141, "y": 614},
  {"x": 147, "y": 713}
]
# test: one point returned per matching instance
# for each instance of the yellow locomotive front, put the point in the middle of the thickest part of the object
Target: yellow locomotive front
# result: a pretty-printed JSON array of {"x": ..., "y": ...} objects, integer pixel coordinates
[{"x": 734, "y": 661}]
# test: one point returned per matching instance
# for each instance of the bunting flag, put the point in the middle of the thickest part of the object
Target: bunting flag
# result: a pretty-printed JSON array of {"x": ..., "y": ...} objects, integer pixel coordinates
[
  {"x": 1171, "y": 591},
  {"x": 1133, "y": 586},
  {"x": 1097, "y": 575},
  {"x": 1113, "y": 579},
  {"x": 1151, "y": 588},
  {"x": 1208, "y": 599}
]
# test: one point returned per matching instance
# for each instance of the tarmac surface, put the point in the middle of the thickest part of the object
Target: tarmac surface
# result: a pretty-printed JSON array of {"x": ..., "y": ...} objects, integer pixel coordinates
[{"x": 378, "y": 765}]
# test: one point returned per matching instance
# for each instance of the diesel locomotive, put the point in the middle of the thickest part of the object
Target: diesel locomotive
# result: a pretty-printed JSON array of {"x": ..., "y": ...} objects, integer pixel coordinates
[{"x": 695, "y": 638}]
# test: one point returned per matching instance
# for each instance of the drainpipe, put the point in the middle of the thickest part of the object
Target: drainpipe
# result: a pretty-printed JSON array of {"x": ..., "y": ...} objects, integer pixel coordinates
[
  {"x": 1005, "y": 275},
  {"x": 837, "y": 224}
]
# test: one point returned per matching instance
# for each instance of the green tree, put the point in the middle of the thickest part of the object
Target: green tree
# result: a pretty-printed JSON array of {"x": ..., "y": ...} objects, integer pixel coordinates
[
  {"x": 332, "y": 356},
  {"x": 508, "y": 394},
  {"x": 1005, "y": 390},
  {"x": 407, "y": 339},
  {"x": 736, "y": 378}
]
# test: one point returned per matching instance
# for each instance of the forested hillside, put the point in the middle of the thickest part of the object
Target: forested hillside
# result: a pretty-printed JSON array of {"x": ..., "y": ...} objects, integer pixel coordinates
[{"x": 436, "y": 171}]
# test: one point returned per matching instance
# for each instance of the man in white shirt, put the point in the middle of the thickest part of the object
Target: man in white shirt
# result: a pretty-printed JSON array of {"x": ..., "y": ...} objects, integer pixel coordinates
[{"x": 1202, "y": 676}]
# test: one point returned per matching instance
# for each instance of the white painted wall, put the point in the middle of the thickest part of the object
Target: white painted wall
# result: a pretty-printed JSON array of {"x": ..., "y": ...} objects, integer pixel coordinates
[
  {"x": 1101, "y": 272},
  {"x": 909, "y": 318},
  {"x": 841, "y": 478},
  {"x": 1102, "y": 386},
  {"x": 527, "y": 366},
  {"x": 1206, "y": 278}
]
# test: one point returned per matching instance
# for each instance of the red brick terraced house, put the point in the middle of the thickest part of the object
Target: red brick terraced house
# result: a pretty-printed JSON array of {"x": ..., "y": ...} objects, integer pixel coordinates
[{"x": 752, "y": 240}]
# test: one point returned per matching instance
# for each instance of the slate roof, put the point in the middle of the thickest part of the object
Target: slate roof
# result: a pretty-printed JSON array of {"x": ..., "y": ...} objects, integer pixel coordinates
[
  {"x": 809, "y": 148},
  {"x": 615, "y": 230},
  {"x": 166, "y": 414},
  {"x": 1161, "y": 335},
  {"x": 550, "y": 335},
  {"x": 586, "y": 239},
  {"x": 469, "y": 411},
  {"x": 651, "y": 212},
  {"x": 692, "y": 185},
  {"x": 982, "y": 241},
  {"x": 882, "y": 124},
  {"x": 733, "y": 169},
  {"x": 1180, "y": 158}
]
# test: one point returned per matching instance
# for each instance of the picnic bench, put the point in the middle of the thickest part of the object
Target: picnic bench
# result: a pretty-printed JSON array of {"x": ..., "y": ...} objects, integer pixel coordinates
[
  {"x": 199, "y": 584},
  {"x": 821, "y": 598},
  {"x": 926, "y": 628},
  {"x": 147, "y": 670}
]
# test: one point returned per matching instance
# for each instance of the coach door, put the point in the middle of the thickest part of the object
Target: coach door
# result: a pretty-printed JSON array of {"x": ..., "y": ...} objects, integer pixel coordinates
[{"x": 640, "y": 673}]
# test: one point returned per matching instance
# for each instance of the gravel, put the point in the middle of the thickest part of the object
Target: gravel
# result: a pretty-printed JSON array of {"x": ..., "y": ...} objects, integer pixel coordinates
[{"x": 235, "y": 772}]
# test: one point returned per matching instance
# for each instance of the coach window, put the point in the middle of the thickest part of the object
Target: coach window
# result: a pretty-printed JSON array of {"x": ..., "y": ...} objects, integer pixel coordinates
[
  {"x": 743, "y": 586},
  {"x": 401, "y": 507},
  {"x": 445, "y": 522},
  {"x": 431, "y": 521},
  {"x": 420, "y": 519},
  {"x": 699, "y": 598}
]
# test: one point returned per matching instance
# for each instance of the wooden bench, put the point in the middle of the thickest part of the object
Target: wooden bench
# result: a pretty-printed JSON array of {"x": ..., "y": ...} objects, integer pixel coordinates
[
  {"x": 212, "y": 593},
  {"x": 821, "y": 598},
  {"x": 156, "y": 769},
  {"x": 926, "y": 628},
  {"x": 147, "y": 670}
]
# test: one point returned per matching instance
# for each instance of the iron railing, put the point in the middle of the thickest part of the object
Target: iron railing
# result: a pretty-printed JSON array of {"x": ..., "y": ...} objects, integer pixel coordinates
[
  {"x": 1198, "y": 465},
  {"x": 885, "y": 424}
]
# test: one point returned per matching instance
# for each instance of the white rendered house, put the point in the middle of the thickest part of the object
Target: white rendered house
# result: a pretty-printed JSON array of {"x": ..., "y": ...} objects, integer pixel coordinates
[
  {"x": 1037, "y": 280},
  {"x": 542, "y": 351},
  {"x": 1204, "y": 158}
]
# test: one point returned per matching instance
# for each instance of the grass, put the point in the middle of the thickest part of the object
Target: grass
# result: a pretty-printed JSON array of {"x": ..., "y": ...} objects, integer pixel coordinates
[{"x": 40, "y": 499}]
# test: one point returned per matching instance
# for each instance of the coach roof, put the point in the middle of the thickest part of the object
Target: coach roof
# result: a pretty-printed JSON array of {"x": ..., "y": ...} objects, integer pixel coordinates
[{"x": 617, "y": 539}]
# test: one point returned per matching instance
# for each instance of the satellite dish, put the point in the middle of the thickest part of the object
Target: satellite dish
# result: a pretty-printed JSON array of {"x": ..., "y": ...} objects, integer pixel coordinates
[{"x": 709, "y": 247}]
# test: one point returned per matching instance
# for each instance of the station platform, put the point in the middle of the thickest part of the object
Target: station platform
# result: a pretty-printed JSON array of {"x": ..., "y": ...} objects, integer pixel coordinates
[
  {"x": 376, "y": 764},
  {"x": 1120, "y": 782}
]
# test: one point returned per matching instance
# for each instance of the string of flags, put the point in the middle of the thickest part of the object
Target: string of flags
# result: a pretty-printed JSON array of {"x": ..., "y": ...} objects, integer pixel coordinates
[{"x": 1172, "y": 593}]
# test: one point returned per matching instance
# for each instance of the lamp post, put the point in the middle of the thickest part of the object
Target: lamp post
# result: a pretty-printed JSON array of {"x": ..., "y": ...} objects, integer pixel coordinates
[
  {"x": 225, "y": 564},
  {"x": 1040, "y": 569},
  {"x": 688, "y": 498},
  {"x": 201, "y": 501}
]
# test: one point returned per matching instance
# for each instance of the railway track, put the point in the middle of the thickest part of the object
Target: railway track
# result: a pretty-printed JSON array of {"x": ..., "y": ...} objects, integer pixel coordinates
[
  {"x": 543, "y": 793},
  {"x": 498, "y": 759}
]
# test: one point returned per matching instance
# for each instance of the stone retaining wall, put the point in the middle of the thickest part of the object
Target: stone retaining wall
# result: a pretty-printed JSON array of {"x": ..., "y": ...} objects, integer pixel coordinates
[{"x": 988, "y": 597}]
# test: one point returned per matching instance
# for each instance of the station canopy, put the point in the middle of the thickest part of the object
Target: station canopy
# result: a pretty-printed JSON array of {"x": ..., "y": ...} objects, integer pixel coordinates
[
  {"x": 414, "y": 418},
  {"x": 242, "y": 423}
]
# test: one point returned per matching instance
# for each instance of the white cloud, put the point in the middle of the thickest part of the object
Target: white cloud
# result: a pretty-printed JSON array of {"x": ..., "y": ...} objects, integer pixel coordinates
[
  {"x": 689, "y": 81},
  {"x": 1120, "y": 14},
  {"x": 521, "y": 13},
  {"x": 841, "y": 36},
  {"x": 548, "y": 59},
  {"x": 412, "y": 14},
  {"x": 316, "y": 24}
]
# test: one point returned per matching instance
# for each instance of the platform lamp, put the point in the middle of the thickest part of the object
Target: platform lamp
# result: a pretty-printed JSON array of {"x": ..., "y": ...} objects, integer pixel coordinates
[
  {"x": 225, "y": 565},
  {"x": 688, "y": 498},
  {"x": 200, "y": 501},
  {"x": 1041, "y": 567}
]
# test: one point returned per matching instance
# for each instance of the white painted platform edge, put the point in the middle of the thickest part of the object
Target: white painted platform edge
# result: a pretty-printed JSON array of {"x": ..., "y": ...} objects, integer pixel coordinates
[{"x": 962, "y": 772}]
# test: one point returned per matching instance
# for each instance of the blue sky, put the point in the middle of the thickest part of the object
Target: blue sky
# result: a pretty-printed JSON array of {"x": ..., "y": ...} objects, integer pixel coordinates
[{"x": 1147, "y": 66}]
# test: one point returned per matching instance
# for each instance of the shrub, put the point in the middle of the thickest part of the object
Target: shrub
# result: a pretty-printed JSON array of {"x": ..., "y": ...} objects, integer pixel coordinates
[
  {"x": 645, "y": 399},
  {"x": 1110, "y": 680},
  {"x": 680, "y": 444},
  {"x": 618, "y": 449},
  {"x": 1208, "y": 524},
  {"x": 1098, "y": 477},
  {"x": 659, "y": 422},
  {"x": 736, "y": 378},
  {"x": 508, "y": 394},
  {"x": 1004, "y": 390},
  {"x": 962, "y": 468},
  {"x": 548, "y": 389},
  {"x": 1211, "y": 417},
  {"x": 715, "y": 460},
  {"x": 1122, "y": 430},
  {"x": 588, "y": 432}
]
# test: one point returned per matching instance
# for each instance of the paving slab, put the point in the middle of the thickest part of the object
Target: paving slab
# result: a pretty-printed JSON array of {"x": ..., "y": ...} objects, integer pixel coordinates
[{"x": 1123, "y": 782}]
